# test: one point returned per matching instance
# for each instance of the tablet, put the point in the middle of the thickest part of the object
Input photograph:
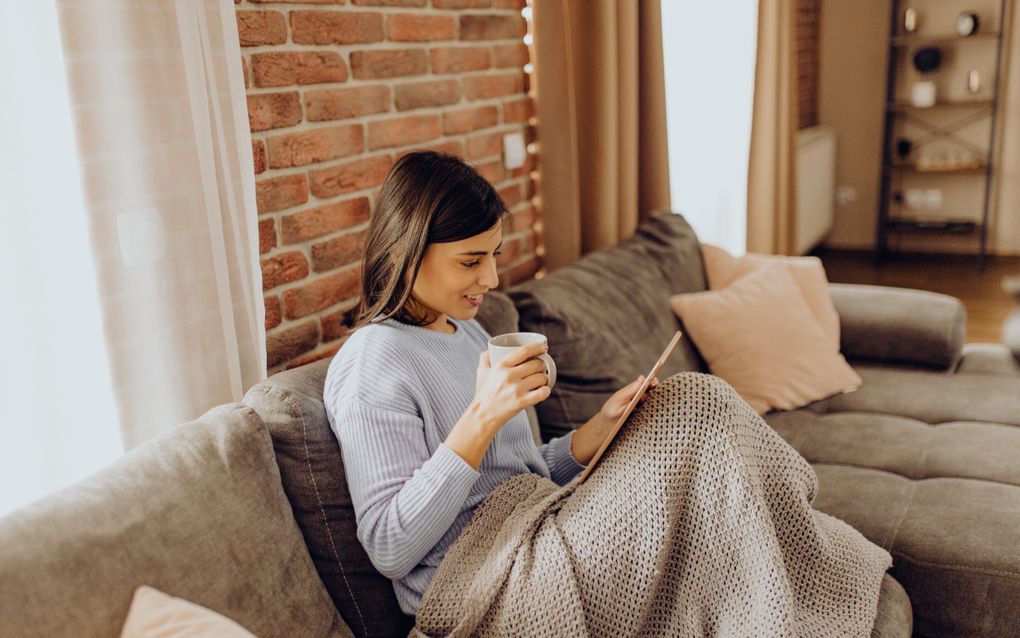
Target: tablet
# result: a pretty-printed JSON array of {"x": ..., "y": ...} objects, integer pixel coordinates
[{"x": 630, "y": 406}]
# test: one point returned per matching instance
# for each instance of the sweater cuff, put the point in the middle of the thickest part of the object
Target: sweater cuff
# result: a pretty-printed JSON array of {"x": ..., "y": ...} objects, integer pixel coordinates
[
  {"x": 562, "y": 465},
  {"x": 458, "y": 474}
]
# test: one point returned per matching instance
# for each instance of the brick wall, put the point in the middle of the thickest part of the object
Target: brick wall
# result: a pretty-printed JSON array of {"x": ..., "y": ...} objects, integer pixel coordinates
[
  {"x": 808, "y": 24},
  {"x": 337, "y": 92}
]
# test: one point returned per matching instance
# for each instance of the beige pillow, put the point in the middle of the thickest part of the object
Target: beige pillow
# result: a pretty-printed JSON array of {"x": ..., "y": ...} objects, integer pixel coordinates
[
  {"x": 154, "y": 614},
  {"x": 760, "y": 336},
  {"x": 722, "y": 269}
]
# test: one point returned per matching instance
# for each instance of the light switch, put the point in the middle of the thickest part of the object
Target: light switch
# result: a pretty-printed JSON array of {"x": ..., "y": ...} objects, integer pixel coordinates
[{"x": 514, "y": 152}]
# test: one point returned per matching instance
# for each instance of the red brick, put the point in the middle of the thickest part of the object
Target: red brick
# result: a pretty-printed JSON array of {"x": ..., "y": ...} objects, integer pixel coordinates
[
  {"x": 522, "y": 219},
  {"x": 389, "y": 3},
  {"x": 510, "y": 55},
  {"x": 402, "y": 130},
  {"x": 290, "y": 342},
  {"x": 519, "y": 110},
  {"x": 338, "y": 251},
  {"x": 298, "y": 149},
  {"x": 510, "y": 195},
  {"x": 283, "y": 269},
  {"x": 315, "y": 356},
  {"x": 417, "y": 27},
  {"x": 465, "y": 120},
  {"x": 277, "y": 193},
  {"x": 299, "y": 1},
  {"x": 244, "y": 70},
  {"x": 338, "y": 104},
  {"x": 423, "y": 94},
  {"x": 492, "y": 171},
  {"x": 273, "y": 110},
  {"x": 321, "y": 294},
  {"x": 274, "y": 314},
  {"x": 368, "y": 65},
  {"x": 336, "y": 27},
  {"x": 492, "y": 27},
  {"x": 530, "y": 189},
  {"x": 516, "y": 5},
  {"x": 261, "y": 27},
  {"x": 337, "y": 324},
  {"x": 284, "y": 68},
  {"x": 323, "y": 220},
  {"x": 489, "y": 86},
  {"x": 450, "y": 147},
  {"x": 459, "y": 59},
  {"x": 461, "y": 4},
  {"x": 523, "y": 271},
  {"x": 352, "y": 176},
  {"x": 258, "y": 156},
  {"x": 267, "y": 235},
  {"x": 484, "y": 145}
]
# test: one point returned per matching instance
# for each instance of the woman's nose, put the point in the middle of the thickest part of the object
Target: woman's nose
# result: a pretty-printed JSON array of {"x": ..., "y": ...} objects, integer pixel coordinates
[{"x": 489, "y": 278}]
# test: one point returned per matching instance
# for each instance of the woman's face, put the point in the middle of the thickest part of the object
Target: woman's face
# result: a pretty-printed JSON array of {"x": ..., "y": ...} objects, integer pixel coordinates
[{"x": 454, "y": 276}]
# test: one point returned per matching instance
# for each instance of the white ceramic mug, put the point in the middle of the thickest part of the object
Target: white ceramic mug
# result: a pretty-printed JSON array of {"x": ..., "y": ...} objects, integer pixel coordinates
[{"x": 502, "y": 345}]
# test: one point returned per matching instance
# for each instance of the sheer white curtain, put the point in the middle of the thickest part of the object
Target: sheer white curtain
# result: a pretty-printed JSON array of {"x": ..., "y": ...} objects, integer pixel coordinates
[
  {"x": 709, "y": 50},
  {"x": 130, "y": 232}
]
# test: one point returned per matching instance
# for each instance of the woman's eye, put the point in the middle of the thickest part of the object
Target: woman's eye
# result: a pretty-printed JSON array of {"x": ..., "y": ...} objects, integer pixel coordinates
[{"x": 474, "y": 263}]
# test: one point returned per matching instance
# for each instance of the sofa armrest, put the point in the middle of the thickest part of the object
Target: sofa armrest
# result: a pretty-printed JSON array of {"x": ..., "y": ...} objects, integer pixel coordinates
[
  {"x": 989, "y": 358},
  {"x": 899, "y": 325}
]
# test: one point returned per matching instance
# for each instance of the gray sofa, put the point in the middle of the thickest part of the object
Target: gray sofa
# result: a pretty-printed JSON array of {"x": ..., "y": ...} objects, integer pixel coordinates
[{"x": 246, "y": 510}]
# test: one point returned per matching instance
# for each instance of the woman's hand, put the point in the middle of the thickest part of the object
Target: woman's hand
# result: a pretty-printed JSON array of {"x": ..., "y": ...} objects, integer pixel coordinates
[
  {"x": 516, "y": 382},
  {"x": 501, "y": 391},
  {"x": 615, "y": 405},
  {"x": 589, "y": 437}
]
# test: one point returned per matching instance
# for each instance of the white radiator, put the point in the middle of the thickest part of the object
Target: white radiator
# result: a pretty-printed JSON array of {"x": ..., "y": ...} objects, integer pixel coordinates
[{"x": 816, "y": 186}]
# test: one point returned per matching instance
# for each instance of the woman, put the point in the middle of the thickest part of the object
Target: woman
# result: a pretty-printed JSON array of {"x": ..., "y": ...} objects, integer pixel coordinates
[
  {"x": 428, "y": 428},
  {"x": 426, "y": 425}
]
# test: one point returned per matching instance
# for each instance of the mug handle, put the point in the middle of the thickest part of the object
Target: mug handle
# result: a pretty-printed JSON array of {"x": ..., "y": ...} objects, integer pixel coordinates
[{"x": 550, "y": 366}]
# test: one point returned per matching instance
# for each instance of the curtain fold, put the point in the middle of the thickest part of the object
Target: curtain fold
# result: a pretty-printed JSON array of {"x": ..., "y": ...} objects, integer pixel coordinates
[
  {"x": 771, "y": 185},
  {"x": 601, "y": 122}
]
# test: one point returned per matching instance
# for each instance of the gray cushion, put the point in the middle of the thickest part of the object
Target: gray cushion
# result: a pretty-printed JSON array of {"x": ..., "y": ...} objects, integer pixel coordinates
[
  {"x": 897, "y": 325},
  {"x": 925, "y": 464},
  {"x": 312, "y": 472},
  {"x": 197, "y": 513},
  {"x": 989, "y": 358},
  {"x": 895, "y": 616},
  {"x": 607, "y": 317}
]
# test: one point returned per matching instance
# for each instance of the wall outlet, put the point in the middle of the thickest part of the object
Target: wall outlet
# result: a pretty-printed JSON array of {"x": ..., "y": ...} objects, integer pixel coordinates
[
  {"x": 514, "y": 151},
  {"x": 845, "y": 195}
]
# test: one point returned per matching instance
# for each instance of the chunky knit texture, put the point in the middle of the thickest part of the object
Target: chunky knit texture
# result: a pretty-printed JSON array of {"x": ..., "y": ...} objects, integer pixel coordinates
[
  {"x": 392, "y": 394},
  {"x": 698, "y": 522}
]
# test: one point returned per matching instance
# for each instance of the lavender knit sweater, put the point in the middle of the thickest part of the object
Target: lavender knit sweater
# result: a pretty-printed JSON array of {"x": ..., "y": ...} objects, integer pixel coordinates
[{"x": 393, "y": 393}]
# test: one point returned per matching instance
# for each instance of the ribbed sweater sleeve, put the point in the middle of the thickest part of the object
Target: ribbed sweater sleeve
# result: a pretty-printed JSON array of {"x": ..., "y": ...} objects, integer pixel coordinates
[
  {"x": 405, "y": 499},
  {"x": 563, "y": 467}
]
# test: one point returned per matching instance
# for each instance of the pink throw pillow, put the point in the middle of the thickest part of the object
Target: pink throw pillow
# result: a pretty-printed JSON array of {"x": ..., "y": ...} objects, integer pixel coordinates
[
  {"x": 722, "y": 269},
  {"x": 154, "y": 614},
  {"x": 760, "y": 336}
]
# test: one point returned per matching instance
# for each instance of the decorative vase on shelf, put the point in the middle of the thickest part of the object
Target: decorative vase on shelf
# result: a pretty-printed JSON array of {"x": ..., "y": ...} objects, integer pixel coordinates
[
  {"x": 922, "y": 93},
  {"x": 1011, "y": 328}
]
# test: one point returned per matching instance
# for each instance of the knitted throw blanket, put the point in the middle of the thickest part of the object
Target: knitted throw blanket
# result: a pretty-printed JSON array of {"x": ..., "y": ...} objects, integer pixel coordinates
[{"x": 698, "y": 522}]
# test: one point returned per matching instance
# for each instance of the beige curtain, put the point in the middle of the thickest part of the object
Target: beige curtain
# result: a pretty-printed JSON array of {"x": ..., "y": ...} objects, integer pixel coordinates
[
  {"x": 771, "y": 187},
  {"x": 601, "y": 121}
]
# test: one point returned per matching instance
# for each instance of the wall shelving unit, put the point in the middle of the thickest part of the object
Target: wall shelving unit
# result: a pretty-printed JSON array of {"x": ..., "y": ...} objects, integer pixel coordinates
[{"x": 952, "y": 142}]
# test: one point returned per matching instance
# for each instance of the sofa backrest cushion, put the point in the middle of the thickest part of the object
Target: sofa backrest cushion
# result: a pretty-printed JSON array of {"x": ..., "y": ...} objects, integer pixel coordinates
[
  {"x": 197, "y": 513},
  {"x": 312, "y": 472},
  {"x": 607, "y": 317}
]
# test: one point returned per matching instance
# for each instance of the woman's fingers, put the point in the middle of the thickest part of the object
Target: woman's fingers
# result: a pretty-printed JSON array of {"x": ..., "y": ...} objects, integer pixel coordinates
[
  {"x": 522, "y": 353},
  {"x": 535, "y": 380}
]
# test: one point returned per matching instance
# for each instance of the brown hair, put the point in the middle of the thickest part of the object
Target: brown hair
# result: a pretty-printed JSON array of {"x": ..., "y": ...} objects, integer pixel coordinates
[{"x": 427, "y": 198}]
